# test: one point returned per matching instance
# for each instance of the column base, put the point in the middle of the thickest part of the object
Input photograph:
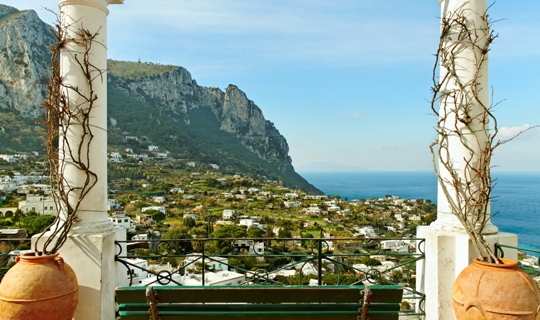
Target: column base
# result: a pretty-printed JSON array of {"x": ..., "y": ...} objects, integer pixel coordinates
[
  {"x": 92, "y": 258},
  {"x": 447, "y": 254}
]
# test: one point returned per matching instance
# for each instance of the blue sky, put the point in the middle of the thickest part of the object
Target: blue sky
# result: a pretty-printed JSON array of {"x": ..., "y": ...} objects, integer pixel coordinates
[{"x": 345, "y": 81}]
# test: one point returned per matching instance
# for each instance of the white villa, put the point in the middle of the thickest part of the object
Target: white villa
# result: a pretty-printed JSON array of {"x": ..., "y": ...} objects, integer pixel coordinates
[
  {"x": 39, "y": 204},
  {"x": 121, "y": 220},
  {"x": 228, "y": 214}
]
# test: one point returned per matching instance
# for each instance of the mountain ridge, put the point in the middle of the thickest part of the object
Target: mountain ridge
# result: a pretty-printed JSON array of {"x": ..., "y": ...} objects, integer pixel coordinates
[{"x": 167, "y": 100}]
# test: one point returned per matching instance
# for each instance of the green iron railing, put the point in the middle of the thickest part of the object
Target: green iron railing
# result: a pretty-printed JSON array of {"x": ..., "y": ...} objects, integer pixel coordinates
[
  {"x": 263, "y": 261},
  {"x": 10, "y": 248},
  {"x": 335, "y": 261},
  {"x": 528, "y": 259}
]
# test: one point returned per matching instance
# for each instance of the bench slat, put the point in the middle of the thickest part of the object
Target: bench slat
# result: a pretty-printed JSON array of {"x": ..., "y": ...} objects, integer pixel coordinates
[
  {"x": 254, "y": 294},
  {"x": 215, "y": 307},
  {"x": 260, "y": 302},
  {"x": 267, "y": 316},
  {"x": 282, "y": 315}
]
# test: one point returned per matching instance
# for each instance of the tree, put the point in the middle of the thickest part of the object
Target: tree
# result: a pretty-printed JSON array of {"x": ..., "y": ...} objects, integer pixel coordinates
[
  {"x": 284, "y": 232},
  {"x": 255, "y": 232},
  {"x": 157, "y": 215},
  {"x": 230, "y": 231},
  {"x": 189, "y": 222},
  {"x": 179, "y": 234},
  {"x": 370, "y": 262}
]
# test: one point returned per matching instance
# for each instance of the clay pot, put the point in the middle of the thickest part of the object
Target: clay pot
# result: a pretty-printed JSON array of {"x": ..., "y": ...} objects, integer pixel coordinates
[
  {"x": 39, "y": 287},
  {"x": 488, "y": 291}
]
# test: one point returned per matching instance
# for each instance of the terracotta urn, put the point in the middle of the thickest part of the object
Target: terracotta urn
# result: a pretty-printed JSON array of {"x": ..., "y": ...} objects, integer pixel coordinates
[
  {"x": 488, "y": 291},
  {"x": 39, "y": 287}
]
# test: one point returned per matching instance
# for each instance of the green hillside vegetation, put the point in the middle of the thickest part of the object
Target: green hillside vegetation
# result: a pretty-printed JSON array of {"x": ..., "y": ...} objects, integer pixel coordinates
[
  {"x": 133, "y": 70},
  {"x": 18, "y": 133}
]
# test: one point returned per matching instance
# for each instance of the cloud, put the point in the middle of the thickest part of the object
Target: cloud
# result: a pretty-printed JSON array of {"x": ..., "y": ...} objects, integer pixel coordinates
[
  {"x": 357, "y": 114},
  {"x": 525, "y": 131}
]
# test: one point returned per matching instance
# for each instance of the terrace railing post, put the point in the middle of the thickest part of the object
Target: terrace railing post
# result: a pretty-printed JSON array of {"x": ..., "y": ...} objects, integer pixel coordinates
[
  {"x": 319, "y": 259},
  {"x": 203, "y": 264}
]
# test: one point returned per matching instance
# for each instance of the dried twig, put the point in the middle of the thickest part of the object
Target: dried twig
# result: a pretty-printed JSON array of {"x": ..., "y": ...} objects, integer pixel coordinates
[
  {"x": 465, "y": 121},
  {"x": 61, "y": 118}
]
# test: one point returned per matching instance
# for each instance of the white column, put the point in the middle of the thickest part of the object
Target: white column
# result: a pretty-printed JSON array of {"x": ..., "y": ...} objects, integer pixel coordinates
[
  {"x": 88, "y": 15},
  {"x": 467, "y": 69},
  {"x": 448, "y": 249},
  {"x": 90, "y": 247}
]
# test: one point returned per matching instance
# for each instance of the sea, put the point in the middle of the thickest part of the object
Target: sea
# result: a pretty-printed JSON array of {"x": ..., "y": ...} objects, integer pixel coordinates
[{"x": 515, "y": 202}]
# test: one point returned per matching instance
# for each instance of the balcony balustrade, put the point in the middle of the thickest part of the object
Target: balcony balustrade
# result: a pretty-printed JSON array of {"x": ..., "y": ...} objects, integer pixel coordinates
[{"x": 277, "y": 261}]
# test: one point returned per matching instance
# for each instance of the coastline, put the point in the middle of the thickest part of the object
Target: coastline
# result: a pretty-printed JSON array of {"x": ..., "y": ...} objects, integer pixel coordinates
[{"x": 515, "y": 206}]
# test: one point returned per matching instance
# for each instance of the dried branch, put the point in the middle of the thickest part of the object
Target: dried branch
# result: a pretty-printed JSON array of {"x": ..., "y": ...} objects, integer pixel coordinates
[
  {"x": 464, "y": 121},
  {"x": 61, "y": 117}
]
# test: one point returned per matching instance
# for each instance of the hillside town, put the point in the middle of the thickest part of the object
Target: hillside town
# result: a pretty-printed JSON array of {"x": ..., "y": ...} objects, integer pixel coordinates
[
  {"x": 164, "y": 191},
  {"x": 182, "y": 203}
]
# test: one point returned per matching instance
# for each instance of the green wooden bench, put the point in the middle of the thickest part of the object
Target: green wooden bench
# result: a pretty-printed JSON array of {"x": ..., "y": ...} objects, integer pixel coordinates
[{"x": 259, "y": 302}]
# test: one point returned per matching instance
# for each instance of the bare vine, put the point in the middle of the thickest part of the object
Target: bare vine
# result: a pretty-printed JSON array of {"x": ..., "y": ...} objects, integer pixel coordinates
[
  {"x": 68, "y": 131},
  {"x": 466, "y": 121}
]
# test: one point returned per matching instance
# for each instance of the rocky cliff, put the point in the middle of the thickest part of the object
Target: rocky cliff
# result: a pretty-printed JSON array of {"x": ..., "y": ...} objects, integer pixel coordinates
[
  {"x": 24, "y": 60},
  {"x": 176, "y": 92},
  {"x": 170, "y": 105}
]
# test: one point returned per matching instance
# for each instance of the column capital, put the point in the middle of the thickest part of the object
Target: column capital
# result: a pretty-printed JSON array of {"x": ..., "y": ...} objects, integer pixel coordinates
[{"x": 100, "y": 4}]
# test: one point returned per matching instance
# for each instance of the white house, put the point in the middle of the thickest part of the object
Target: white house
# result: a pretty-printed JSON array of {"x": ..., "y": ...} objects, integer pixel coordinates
[
  {"x": 333, "y": 209},
  {"x": 252, "y": 246},
  {"x": 193, "y": 262},
  {"x": 177, "y": 190},
  {"x": 39, "y": 204},
  {"x": 228, "y": 214},
  {"x": 291, "y": 195},
  {"x": 159, "y": 199},
  {"x": 312, "y": 209},
  {"x": 136, "y": 273},
  {"x": 220, "y": 278},
  {"x": 246, "y": 222},
  {"x": 121, "y": 220},
  {"x": 8, "y": 157},
  {"x": 330, "y": 203},
  {"x": 153, "y": 148},
  {"x": 365, "y": 231},
  {"x": 393, "y": 245},
  {"x": 291, "y": 204},
  {"x": 7, "y": 185},
  {"x": 115, "y": 157}
]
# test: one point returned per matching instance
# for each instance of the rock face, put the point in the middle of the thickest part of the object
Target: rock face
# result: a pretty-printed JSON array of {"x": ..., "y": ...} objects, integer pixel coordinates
[
  {"x": 170, "y": 92},
  {"x": 24, "y": 60},
  {"x": 178, "y": 93}
]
